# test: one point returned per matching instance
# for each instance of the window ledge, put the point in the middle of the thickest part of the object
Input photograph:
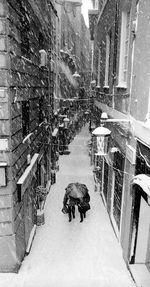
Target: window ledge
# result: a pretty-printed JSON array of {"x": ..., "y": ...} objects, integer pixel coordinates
[{"x": 106, "y": 87}]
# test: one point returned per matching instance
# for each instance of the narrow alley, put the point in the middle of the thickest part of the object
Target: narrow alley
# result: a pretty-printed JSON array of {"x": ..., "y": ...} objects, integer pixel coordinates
[
  {"x": 74, "y": 108},
  {"x": 73, "y": 254}
]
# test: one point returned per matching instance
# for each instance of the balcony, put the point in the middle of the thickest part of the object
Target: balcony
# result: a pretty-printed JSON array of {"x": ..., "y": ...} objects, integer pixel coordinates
[{"x": 119, "y": 102}]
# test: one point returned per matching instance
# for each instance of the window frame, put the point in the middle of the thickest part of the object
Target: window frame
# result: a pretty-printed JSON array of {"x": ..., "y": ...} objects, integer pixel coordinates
[
  {"x": 24, "y": 33},
  {"x": 99, "y": 67},
  {"x": 124, "y": 48},
  {"x": 41, "y": 105},
  {"x": 107, "y": 58},
  {"x": 25, "y": 118}
]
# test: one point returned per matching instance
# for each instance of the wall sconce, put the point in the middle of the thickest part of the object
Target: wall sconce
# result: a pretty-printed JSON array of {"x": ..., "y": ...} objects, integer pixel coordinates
[
  {"x": 97, "y": 88},
  {"x": 66, "y": 122},
  {"x": 102, "y": 135},
  {"x": 3, "y": 181},
  {"x": 76, "y": 75},
  {"x": 43, "y": 58},
  {"x": 93, "y": 83},
  {"x": 104, "y": 116}
]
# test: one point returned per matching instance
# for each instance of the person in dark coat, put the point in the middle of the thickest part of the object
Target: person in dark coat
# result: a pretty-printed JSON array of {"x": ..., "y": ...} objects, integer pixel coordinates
[
  {"x": 72, "y": 198},
  {"x": 84, "y": 206},
  {"x": 70, "y": 202}
]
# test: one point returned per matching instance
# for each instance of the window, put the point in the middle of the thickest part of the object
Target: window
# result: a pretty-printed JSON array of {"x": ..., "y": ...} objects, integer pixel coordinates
[
  {"x": 116, "y": 42},
  {"x": 24, "y": 32},
  {"x": 25, "y": 118},
  {"x": 124, "y": 48},
  {"x": 102, "y": 4},
  {"x": 99, "y": 67},
  {"x": 41, "y": 41},
  {"x": 119, "y": 161},
  {"x": 107, "y": 61},
  {"x": 41, "y": 111},
  {"x": 105, "y": 180},
  {"x": 96, "y": 5}
]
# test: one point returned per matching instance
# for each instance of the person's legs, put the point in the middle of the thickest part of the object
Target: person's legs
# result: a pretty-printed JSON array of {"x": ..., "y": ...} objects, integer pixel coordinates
[
  {"x": 69, "y": 213},
  {"x": 73, "y": 211},
  {"x": 81, "y": 216},
  {"x": 84, "y": 214}
]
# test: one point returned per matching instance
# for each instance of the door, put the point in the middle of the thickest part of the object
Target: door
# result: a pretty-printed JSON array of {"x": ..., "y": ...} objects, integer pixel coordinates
[
  {"x": 29, "y": 209},
  {"x": 112, "y": 205},
  {"x": 105, "y": 181},
  {"x": 27, "y": 215},
  {"x": 119, "y": 160},
  {"x": 140, "y": 229},
  {"x": 142, "y": 255}
]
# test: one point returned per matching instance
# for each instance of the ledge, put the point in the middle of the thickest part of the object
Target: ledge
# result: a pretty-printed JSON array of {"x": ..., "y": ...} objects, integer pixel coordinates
[
  {"x": 93, "y": 12},
  {"x": 121, "y": 86},
  {"x": 26, "y": 178}
]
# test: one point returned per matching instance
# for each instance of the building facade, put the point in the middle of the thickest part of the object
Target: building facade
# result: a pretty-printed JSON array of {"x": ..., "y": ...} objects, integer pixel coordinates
[
  {"x": 121, "y": 69},
  {"x": 73, "y": 64},
  {"x": 27, "y": 79}
]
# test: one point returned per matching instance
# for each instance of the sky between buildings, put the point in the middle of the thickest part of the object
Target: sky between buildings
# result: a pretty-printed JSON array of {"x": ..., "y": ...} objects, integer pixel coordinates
[{"x": 86, "y": 4}]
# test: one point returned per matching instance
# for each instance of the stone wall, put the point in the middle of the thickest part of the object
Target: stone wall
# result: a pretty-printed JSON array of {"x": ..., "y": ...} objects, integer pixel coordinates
[{"x": 25, "y": 105}]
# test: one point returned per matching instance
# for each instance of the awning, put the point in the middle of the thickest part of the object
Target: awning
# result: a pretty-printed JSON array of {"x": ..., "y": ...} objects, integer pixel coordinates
[{"x": 143, "y": 181}]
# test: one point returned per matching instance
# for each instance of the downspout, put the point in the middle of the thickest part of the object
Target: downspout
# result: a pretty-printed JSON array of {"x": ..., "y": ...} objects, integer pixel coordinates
[{"x": 134, "y": 31}]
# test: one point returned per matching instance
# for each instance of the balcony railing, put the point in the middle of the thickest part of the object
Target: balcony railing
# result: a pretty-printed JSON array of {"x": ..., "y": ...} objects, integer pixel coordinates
[{"x": 119, "y": 102}]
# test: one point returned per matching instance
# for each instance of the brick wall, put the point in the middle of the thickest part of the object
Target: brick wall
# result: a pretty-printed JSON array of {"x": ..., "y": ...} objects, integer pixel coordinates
[{"x": 22, "y": 35}]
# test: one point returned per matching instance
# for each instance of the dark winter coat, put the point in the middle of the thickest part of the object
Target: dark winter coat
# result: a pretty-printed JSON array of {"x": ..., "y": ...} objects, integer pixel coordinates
[
  {"x": 70, "y": 201},
  {"x": 84, "y": 205}
]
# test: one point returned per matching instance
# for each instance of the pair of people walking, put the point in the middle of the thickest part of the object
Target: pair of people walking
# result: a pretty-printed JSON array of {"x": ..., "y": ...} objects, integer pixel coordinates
[{"x": 76, "y": 195}]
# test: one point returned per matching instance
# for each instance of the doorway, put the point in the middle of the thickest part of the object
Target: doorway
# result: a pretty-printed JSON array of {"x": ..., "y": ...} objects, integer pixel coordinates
[
  {"x": 112, "y": 205},
  {"x": 140, "y": 229}
]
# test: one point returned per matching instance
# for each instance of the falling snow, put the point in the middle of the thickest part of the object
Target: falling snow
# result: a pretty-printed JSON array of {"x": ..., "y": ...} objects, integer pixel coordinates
[{"x": 73, "y": 254}]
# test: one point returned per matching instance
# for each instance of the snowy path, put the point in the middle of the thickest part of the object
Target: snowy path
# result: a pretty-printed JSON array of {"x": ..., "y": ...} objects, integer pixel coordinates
[{"x": 73, "y": 254}]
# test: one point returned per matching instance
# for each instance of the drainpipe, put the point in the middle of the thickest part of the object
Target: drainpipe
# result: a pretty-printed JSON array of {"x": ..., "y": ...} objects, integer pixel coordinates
[{"x": 134, "y": 31}]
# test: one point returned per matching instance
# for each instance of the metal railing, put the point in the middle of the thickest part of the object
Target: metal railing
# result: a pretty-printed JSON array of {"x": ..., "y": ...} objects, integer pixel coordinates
[{"x": 119, "y": 102}]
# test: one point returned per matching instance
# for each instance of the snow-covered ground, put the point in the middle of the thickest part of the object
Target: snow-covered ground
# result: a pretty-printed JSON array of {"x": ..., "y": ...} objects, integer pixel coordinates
[{"x": 73, "y": 254}]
